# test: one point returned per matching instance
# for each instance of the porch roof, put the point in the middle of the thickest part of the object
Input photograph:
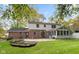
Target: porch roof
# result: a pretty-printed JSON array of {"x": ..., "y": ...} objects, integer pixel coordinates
[{"x": 18, "y": 30}]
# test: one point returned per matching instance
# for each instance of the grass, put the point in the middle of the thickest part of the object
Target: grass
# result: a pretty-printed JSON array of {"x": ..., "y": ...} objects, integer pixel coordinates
[{"x": 50, "y": 47}]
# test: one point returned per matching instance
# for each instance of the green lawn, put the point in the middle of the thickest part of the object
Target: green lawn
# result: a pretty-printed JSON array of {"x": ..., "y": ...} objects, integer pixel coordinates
[{"x": 50, "y": 47}]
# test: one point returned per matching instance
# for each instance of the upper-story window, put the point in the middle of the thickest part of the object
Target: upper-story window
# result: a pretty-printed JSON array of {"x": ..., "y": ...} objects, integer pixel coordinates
[
  {"x": 53, "y": 26},
  {"x": 44, "y": 25},
  {"x": 37, "y": 25}
]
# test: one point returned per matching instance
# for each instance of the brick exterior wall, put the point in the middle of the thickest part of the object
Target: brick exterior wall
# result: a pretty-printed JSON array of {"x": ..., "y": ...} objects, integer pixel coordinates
[
  {"x": 37, "y": 34},
  {"x": 18, "y": 34},
  {"x": 32, "y": 34},
  {"x": 14, "y": 35}
]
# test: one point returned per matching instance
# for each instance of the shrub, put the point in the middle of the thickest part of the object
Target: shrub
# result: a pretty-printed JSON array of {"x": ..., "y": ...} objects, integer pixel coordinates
[{"x": 9, "y": 38}]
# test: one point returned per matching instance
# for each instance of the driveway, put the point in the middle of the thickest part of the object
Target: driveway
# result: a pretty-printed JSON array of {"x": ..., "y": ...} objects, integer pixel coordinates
[{"x": 39, "y": 40}]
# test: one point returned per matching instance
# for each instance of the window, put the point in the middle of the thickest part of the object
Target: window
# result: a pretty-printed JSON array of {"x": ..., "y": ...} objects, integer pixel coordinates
[
  {"x": 37, "y": 25},
  {"x": 67, "y": 33},
  {"x": 61, "y": 32},
  {"x": 44, "y": 25},
  {"x": 20, "y": 33},
  {"x": 34, "y": 33},
  {"x": 53, "y": 26},
  {"x": 26, "y": 35},
  {"x": 64, "y": 32},
  {"x": 49, "y": 33},
  {"x": 76, "y": 31},
  {"x": 53, "y": 33},
  {"x": 58, "y": 32}
]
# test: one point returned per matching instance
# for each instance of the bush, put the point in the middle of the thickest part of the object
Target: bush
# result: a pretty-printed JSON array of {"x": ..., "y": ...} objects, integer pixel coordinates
[{"x": 9, "y": 38}]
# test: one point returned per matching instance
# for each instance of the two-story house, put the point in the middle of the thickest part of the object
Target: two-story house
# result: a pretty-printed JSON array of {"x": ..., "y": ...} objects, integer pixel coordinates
[{"x": 38, "y": 30}]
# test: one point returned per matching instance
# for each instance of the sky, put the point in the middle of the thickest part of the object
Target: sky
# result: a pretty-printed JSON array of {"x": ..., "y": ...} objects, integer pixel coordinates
[{"x": 46, "y": 9}]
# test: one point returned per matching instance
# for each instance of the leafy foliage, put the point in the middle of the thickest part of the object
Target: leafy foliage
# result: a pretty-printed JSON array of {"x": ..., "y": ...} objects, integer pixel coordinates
[
  {"x": 64, "y": 10},
  {"x": 2, "y": 33},
  {"x": 20, "y": 14}
]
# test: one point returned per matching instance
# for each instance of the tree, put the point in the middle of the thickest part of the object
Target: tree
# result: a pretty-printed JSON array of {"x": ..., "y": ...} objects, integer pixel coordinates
[
  {"x": 20, "y": 14},
  {"x": 74, "y": 23},
  {"x": 65, "y": 10},
  {"x": 2, "y": 33}
]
